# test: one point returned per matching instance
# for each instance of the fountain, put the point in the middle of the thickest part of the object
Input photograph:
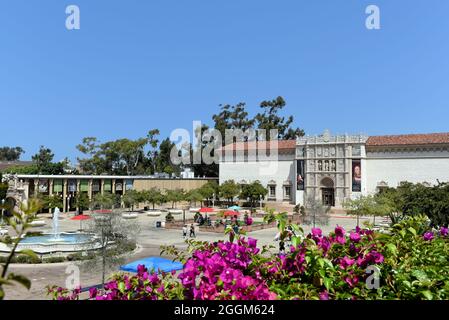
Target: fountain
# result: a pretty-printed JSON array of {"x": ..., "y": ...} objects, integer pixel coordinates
[
  {"x": 56, "y": 236},
  {"x": 54, "y": 241}
]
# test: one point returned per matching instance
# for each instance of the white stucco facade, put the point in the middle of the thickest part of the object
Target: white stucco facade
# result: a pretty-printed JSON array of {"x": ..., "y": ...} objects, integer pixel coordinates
[
  {"x": 416, "y": 165},
  {"x": 332, "y": 169}
]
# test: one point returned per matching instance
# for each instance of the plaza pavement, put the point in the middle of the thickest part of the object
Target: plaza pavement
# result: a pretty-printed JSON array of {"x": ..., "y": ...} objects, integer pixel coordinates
[{"x": 149, "y": 241}]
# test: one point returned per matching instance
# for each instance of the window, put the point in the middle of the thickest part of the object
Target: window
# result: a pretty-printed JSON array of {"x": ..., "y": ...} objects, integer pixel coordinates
[
  {"x": 272, "y": 191},
  {"x": 287, "y": 192},
  {"x": 333, "y": 165}
]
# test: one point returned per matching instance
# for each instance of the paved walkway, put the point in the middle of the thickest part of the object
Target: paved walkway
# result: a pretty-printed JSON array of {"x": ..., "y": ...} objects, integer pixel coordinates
[{"x": 149, "y": 240}]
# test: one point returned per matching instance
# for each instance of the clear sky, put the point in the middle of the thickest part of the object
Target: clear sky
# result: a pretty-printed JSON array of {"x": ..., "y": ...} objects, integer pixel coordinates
[{"x": 137, "y": 65}]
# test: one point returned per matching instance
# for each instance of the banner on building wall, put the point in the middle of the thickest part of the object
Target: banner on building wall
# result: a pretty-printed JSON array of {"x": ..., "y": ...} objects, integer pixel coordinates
[
  {"x": 95, "y": 186},
  {"x": 118, "y": 186},
  {"x": 108, "y": 185},
  {"x": 72, "y": 185},
  {"x": 129, "y": 184},
  {"x": 84, "y": 186},
  {"x": 300, "y": 175},
  {"x": 57, "y": 186},
  {"x": 356, "y": 176},
  {"x": 43, "y": 185}
]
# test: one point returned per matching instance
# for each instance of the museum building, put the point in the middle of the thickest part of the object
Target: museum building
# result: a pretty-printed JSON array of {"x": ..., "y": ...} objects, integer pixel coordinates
[{"x": 332, "y": 168}]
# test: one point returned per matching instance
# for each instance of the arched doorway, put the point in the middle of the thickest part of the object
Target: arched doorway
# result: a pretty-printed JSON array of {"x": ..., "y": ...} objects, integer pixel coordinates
[{"x": 328, "y": 192}]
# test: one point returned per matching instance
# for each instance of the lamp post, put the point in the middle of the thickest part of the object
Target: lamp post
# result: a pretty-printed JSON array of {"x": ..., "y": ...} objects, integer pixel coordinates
[
  {"x": 260, "y": 199},
  {"x": 213, "y": 200},
  {"x": 68, "y": 203},
  {"x": 3, "y": 210}
]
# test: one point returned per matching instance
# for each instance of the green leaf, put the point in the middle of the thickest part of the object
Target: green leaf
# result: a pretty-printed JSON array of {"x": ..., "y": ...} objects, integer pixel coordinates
[
  {"x": 420, "y": 275},
  {"x": 121, "y": 287},
  {"x": 412, "y": 230},
  {"x": 29, "y": 253},
  {"x": 328, "y": 263},
  {"x": 427, "y": 294},
  {"x": 392, "y": 248},
  {"x": 328, "y": 283},
  {"x": 20, "y": 279},
  {"x": 321, "y": 262}
]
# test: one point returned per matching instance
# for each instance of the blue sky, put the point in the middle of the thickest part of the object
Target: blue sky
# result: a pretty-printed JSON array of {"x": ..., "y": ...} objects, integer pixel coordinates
[{"x": 137, "y": 65}]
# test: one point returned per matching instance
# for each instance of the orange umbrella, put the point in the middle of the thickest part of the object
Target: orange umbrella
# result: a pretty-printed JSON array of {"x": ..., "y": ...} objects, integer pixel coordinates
[{"x": 205, "y": 210}]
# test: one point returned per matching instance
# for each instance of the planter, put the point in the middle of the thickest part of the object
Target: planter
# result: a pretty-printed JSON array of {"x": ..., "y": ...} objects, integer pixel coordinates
[
  {"x": 155, "y": 213},
  {"x": 175, "y": 211},
  {"x": 37, "y": 223},
  {"x": 129, "y": 215}
]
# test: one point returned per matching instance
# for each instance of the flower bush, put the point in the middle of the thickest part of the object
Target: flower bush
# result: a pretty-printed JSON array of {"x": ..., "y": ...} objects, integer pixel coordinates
[{"x": 410, "y": 262}]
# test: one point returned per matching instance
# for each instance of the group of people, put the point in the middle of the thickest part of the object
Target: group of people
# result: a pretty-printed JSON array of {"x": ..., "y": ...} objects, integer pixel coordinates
[{"x": 186, "y": 228}]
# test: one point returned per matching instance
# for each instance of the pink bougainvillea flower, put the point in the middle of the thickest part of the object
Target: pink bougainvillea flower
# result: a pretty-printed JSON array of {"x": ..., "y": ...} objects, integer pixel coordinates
[
  {"x": 444, "y": 231},
  {"x": 339, "y": 231},
  {"x": 354, "y": 237},
  {"x": 346, "y": 262},
  {"x": 340, "y": 235},
  {"x": 428, "y": 236},
  {"x": 93, "y": 293},
  {"x": 352, "y": 281},
  {"x": 316, "y": 232},
  {"x": 324, "y": 295},
  {"x": 252, "y": 243}
]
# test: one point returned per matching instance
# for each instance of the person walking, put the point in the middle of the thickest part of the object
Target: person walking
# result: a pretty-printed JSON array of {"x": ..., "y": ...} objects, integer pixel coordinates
[
  {"x": 184, "y": 231},
  {"x": 192, "y": 231}
]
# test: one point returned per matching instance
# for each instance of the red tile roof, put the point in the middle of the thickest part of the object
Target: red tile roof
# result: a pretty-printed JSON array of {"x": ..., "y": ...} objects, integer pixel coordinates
[
  {"x": 284, "y": 145},
  {"x": 408, "y": 139}
]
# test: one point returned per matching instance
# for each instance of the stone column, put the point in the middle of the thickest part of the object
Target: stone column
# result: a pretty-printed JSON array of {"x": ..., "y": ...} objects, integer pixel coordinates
[
  {"x": 113, "y": 186},
  {"x": 64, "y": 196},
  {"x": 36, "y": 187},
  {"x": 78, "y": 191},
  {"x": 102, "y": 186},
  {"x": 50, "y": 186},
  {"x": 90, "y": 189}
]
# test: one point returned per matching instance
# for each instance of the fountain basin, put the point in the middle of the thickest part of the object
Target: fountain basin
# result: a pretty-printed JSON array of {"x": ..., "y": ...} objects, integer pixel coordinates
[{"x": 46, "y": 244}]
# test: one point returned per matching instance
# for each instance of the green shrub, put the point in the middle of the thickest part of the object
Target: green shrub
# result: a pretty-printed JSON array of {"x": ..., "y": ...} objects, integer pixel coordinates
[{"x": 54, "y": 260}]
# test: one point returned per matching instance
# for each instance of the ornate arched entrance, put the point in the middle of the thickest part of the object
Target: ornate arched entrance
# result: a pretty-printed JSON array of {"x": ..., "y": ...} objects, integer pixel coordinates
[{"x": 328, "y": 192}]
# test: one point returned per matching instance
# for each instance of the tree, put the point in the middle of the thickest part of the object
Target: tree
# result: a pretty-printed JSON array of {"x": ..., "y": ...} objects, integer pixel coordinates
[
  {"x": 368, "y": 206},
  {"x": 175, "y": 196},
  {"x": 253, "y": 192},
  {"x": 315, "y": 212},
  {"x": 43, "y": 159},
  {"x": 194, "y": 196},
  {"x": 114, "y": 236},
  {"x": 104, "y": 201},
  {"x": 232, "y": 117},
  {"x": 82, "y": 201},
  {"x": 269, "y": 119},
  {"x": 151, "y": 196},
  {"x": 52, "y": 202},
  {"x": 131, "y": 198},
  {"x": 163, "y": 158},
  {"x": 229, "y": 190},
  {"x": 209, "y": 190},
  {"x": 152, "y": 152},
  {"x": 10, "y": 154}
]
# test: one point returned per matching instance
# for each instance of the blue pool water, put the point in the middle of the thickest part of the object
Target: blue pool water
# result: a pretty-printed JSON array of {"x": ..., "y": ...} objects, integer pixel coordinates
[{"x": 63, "y": 238}]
